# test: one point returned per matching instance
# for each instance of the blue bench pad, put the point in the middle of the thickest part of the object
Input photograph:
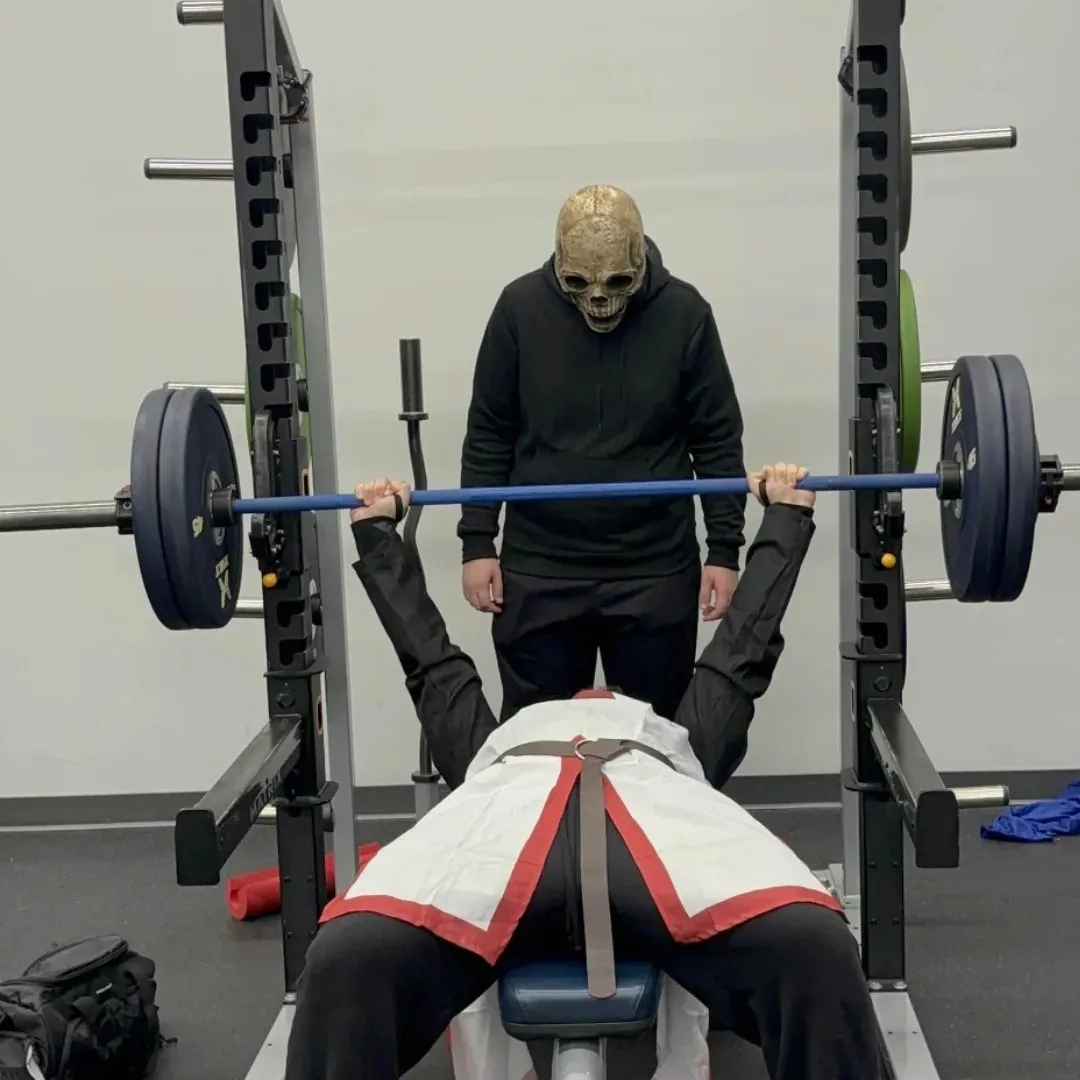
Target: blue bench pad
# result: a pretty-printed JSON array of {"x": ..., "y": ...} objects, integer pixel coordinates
[{"x": 554, "y": 994}]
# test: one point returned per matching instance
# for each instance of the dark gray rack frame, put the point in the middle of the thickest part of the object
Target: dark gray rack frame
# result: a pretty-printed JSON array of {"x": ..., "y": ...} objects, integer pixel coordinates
[
  {"x": 274, "y": 171},
  {"x": 887, "y": 774}
]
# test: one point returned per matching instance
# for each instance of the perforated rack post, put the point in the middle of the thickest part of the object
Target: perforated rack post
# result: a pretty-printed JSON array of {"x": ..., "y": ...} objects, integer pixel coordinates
[
  {"x": 890, "y": 783},
  {"x": 269, "y": 98},
  {"x": 871, "y": 598}
]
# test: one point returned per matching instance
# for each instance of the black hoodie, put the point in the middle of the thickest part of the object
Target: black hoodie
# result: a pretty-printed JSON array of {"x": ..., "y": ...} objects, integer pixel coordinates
[{"x": 554, "y": 402}]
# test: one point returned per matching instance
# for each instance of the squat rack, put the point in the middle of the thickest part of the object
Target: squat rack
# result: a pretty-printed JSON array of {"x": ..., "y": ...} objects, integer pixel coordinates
[
  {"x": 890, "y": 785},
  {"x": 281, "y": 775}
]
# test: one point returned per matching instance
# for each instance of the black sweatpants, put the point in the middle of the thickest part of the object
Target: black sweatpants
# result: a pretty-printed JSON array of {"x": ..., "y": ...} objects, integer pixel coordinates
[
  {"x": 551, "y": 630},
  {"x": 376, "y": 993}
]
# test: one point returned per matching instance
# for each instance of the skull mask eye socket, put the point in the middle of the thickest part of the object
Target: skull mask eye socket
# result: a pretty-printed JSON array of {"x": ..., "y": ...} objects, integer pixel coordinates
[
  {"x": 574, "y": 283},
  {"x": 618, "y": 283}
]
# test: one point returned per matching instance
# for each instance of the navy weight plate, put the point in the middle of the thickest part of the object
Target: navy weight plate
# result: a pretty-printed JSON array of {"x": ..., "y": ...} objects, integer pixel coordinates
[
  {"x": 195, "y": 459},
  {"x": 973, "y": 436},
  {"x": 146, "y": 510},
  {"x": 1024, "y": 475}
]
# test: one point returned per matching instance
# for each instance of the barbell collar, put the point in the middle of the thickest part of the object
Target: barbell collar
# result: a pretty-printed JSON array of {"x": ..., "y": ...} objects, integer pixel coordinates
[
  {"x": 950, "y": 480},
  {"x": 222, "y": 507},
  {"x": 54, "y": 516},
  {"x": 958, "y": 142}
]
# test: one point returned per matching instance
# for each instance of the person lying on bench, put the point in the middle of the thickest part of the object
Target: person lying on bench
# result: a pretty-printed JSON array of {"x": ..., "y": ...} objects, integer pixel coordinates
[{"x": 510, "y": 867}]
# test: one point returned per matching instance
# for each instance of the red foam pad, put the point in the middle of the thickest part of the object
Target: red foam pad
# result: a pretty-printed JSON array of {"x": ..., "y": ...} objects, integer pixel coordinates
[{"x": 255, "y": 895}]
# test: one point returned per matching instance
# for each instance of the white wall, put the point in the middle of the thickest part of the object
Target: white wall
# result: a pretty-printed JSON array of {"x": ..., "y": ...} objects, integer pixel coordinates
[{"x": 449, "y": 135}]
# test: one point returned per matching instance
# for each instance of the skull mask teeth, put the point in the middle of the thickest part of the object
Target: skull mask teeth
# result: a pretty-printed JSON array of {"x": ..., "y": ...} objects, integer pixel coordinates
[{"x": 600, "y": 254}]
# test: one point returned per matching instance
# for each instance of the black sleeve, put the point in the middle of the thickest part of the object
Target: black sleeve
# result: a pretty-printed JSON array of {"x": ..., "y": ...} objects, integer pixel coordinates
[
  {"x": 491, "y": 431},
  {"x": 442, "y": 681},
  {"x": 736, "y": 667},
  {"x": 715, "y": 426}
]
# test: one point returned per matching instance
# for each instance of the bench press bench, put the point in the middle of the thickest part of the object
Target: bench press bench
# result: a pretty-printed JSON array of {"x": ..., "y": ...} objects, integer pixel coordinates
[{"x": 550, "y": 1000}]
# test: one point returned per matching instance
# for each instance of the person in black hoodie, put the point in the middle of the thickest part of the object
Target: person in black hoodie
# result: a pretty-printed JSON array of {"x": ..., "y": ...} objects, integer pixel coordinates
[{"x": 600, "y": 367}]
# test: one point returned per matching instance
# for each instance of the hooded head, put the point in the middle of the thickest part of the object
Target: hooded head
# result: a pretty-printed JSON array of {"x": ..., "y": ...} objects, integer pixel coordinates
[{"x": 600, "y": 253}]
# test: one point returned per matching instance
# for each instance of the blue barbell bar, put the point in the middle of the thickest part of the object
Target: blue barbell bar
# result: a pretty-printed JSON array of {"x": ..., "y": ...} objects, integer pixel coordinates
[{"x": 292, "y": 504}]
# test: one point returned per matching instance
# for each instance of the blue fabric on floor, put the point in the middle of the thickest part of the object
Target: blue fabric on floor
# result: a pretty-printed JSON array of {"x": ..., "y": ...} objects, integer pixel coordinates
[{"x": 1038, "y": 822}]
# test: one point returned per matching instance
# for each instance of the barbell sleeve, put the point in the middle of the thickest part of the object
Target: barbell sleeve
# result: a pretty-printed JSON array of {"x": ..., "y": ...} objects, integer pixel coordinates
[
  {"x": 937, "y": 371},
  {"x": 294, "y": 504},
  {"x": 1070, "y": 477},
  {"x": 957, "y": 142},
  {"x": 51, "y": 516},
  {"x": 917, "y": 591}
]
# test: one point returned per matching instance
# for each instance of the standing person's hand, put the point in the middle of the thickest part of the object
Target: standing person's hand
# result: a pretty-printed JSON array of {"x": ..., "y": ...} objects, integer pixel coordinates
[
  {"x": 482, "y": 584},
  {"x": 717, "y": 588}
]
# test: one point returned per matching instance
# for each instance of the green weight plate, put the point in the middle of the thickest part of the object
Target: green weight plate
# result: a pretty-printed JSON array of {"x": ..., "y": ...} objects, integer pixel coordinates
[{"x": 910, "y": 378}]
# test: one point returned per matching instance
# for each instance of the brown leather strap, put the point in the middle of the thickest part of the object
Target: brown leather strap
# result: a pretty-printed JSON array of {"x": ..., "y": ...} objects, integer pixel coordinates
[{"x": 595, "y": 898}]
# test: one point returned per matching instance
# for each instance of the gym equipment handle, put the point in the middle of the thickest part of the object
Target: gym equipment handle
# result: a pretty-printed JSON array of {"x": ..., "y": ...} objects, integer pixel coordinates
[
  {"x": 412, "y": 379},
  {"x": 188, "y": 169},
  {"x": 977, "y": 798},
  {"x": 196, "y": 12},
  {"x": 955, "y": 142},
  {"x": 291, "y": 504}
]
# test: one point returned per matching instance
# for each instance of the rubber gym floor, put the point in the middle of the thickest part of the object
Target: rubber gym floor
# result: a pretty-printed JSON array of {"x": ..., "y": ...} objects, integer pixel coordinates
[{"x": 992, "y": 947}]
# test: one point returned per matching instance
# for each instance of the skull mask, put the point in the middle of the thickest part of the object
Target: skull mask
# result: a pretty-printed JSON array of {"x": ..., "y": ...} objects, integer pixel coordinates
[{"x": 600, "y": 253}]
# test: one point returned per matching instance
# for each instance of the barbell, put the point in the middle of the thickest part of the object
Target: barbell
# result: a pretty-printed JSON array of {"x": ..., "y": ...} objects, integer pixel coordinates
[{"x": 183, "y": 504}]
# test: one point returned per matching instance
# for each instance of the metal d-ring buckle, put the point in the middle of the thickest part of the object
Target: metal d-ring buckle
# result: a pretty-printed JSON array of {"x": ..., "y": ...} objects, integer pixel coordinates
[{"x": 578, "y": 746}]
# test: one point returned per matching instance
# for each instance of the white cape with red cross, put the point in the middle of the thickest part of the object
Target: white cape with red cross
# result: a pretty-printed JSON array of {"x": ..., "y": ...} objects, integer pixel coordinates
[{"x": 467, "y": 870}]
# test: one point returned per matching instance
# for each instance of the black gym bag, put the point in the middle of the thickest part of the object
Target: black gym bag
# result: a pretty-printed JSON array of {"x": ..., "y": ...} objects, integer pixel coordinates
[{"x": 83, "y": 1011}]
